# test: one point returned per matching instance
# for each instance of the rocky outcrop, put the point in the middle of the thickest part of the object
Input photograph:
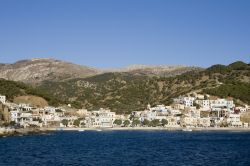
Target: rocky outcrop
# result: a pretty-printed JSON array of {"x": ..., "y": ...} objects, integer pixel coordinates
[
  {"x": 160, "y": 70},
  {"x": 37, "y": 70}
]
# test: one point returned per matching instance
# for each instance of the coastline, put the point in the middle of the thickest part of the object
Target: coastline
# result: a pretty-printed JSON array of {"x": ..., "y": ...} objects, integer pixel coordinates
[
  {"x": 31, "y": 131},
  {"x": 21, "y": 132},
  {"x": 149, "y": 129}
]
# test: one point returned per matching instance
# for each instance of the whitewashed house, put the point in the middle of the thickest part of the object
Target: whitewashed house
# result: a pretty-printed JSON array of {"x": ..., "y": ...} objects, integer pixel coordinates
[
  {"x": 149, "y": 115},
  {"x": 15, "y": 116},
  {"x": 234, "y": 120},
  {"x": 101, "y": 119},
  {"x": 186, "y": 101},
  {"x": 222, "y": 103},
  {"x": 25, "y": 107},
  {"x": 3, "y": 99},
  {"x": 203, "y": 103}
]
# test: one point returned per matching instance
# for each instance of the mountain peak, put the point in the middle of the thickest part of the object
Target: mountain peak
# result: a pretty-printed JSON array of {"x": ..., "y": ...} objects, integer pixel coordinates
[{"x": 41, "y": 69}]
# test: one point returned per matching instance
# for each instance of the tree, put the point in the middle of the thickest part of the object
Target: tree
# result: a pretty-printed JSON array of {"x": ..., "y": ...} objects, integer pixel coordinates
[
  {"x": 118, "y": 122},
  {"x": 155, "y": 123},
  {"x": 164, "y": 122},
  {"x": 136, "y": 122},
  {"x": 146, "y": 122},
  {"x": 65, "y": 122},
  {"x": 83, "y": 124},
  {"x": 197, "y": 106},
  {"x": 12, "y": 123},
  {"x": 126, "y": 123},
  {"x": 76, "y": 122}
]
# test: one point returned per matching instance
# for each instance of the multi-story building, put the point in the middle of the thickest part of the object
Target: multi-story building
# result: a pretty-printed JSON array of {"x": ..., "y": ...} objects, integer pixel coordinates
[
  {"x": 234, "y": 120},
  {"x": 186, "y": 101},
  {"x": 101, "y": 119}
]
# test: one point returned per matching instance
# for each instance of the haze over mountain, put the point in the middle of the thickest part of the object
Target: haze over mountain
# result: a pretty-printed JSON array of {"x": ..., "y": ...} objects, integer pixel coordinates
[{"x": 41, "y": 69}]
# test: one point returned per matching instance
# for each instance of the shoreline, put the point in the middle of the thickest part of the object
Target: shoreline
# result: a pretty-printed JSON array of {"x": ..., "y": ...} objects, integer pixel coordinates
[
  {"x": 149, "y": 129},
  {"x": 22, "y": 132},
  {"x": 30, "y": 131}
]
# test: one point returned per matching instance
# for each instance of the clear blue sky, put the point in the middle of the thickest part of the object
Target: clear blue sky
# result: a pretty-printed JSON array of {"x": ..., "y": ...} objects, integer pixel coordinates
[{"x": 116, "y": 33}]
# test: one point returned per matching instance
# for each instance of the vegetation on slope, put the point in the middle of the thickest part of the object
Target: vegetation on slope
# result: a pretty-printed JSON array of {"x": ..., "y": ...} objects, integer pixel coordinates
[
  {"x": 12, "y": 89},
  {"x": 123, "y": 92}
]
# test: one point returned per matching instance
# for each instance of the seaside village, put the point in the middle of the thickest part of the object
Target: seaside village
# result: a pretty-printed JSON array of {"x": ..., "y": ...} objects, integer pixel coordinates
[{"x": 198, "y": 111}]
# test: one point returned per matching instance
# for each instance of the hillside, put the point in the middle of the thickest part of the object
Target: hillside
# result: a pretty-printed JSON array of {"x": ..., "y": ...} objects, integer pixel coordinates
[
  {"x": 124, "y": 92},
  {"x": 31, "y": 99},
  {"x": 37, "y": 70},
  {"x": 17, "y": 91}
]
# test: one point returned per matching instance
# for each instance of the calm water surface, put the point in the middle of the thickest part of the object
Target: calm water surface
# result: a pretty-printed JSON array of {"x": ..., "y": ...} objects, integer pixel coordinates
[{"x": 127, "y": 148}]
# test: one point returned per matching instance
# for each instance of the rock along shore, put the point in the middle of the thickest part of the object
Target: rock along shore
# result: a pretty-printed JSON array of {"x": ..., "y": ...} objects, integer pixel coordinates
[{"x": 6, "y": 132}]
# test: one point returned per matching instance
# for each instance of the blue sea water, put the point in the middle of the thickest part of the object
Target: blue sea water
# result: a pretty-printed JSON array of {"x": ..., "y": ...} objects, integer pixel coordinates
[{"x": 139, "y": 148}]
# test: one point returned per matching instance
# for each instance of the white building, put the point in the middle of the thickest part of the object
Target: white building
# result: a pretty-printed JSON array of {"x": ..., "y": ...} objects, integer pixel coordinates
[
  {"x": 101, "y": 119},
  {"x": 3, "y": 99},
  {"x": 149, "y": 115},
  {"x": 203, "y": 103},
  {"x": 234, "y": 120},
  {"x": 222, "y": 103},
  {"x": 25, "y": 107},
  {"x": 25, "y": 119},
  {"x": 186, "y": 101},
  {"x": 14, "y": 116}
]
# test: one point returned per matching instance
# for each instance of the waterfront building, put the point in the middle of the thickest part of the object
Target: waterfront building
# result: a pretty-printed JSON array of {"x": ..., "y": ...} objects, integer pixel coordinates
[
  {"x": 189, "y": 121},
  {"x": 102, "y": 118},
  {"x": 234, "y": 120},
  {"x": 203, "y": 122},
  {"x": 173, "y": 121}
]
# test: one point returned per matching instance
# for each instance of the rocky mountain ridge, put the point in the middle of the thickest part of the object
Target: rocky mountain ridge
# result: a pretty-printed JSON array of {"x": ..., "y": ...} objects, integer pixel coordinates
[
  {"x": 40, "y": 69},
  {"x": 37, "y": 70}
]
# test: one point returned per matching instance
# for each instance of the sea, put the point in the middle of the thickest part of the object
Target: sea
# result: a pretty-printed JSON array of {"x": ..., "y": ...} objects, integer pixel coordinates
[{"x": 127, "y": 148}]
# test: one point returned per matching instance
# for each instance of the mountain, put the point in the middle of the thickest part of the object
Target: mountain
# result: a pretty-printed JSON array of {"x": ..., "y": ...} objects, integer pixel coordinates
[
  {"x": 124, "y": 92},
  {"x": 155, "y": 70},
  {"x": 37, "y": 70}
]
